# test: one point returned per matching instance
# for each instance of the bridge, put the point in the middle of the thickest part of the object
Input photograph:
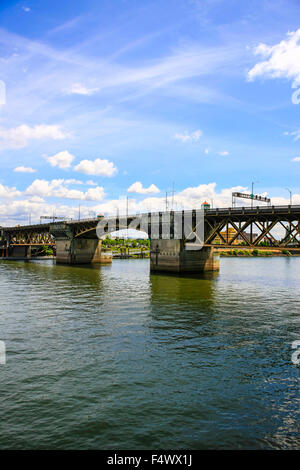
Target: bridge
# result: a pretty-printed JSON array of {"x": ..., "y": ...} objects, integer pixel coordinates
[{"x": 174, "y": 236}]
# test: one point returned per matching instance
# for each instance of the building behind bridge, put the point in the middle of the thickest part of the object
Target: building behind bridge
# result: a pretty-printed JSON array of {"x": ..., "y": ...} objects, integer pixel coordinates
[{"x": 231, "y": 234}]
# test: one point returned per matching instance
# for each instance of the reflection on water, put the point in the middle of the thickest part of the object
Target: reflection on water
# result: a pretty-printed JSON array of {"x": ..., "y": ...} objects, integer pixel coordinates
[{"x": 113, "y": 357}]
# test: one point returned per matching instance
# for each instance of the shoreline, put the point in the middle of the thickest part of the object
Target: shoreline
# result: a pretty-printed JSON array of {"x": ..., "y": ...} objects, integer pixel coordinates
[{"x": 256, "y": 253}]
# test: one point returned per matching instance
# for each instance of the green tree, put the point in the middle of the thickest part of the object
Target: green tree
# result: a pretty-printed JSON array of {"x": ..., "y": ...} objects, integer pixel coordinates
[{"x": 47, "y": 250}]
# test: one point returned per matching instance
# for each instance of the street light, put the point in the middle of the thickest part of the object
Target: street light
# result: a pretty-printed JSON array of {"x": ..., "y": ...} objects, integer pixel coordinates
[
  {"x": 172, "y": 192},
  {"x": 291, "y": 195},
  {"x": 252, "y": 191},
  {"x": 117, "y": 211},
  {"x": 127, "y": 199}
]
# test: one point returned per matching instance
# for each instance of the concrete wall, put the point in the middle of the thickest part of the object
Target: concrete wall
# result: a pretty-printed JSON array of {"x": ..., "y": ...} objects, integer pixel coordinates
[
  {"x": 171, "y": 256},
  {"x": 80, "y": 251}
]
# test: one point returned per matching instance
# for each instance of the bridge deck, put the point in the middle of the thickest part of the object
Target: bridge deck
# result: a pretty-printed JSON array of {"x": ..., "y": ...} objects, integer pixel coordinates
[
  {"x": 217, "y": 213},
  {"x": 223, "y": 227}
]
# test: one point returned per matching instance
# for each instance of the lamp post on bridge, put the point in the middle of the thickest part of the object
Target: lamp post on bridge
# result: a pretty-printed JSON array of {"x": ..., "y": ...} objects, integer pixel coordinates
[
  {"x": 127, "y": 205},
  {"x": 291, "y": 195},
  {"x": 252, "y": 191},
  {"x": 172, "y": 192}
]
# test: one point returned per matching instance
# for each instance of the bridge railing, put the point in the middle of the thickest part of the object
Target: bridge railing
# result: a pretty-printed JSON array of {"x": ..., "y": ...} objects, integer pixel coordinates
[{"x": 254, "y": 209}]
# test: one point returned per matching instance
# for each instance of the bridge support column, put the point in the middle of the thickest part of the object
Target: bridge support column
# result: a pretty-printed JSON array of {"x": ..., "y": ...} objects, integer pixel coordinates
[
  {"x": 172, "y": 256},
  {"x": 80, "y": 251},
  {"x": 18, "y": 252},
  {"x": 28, "y": 252}
]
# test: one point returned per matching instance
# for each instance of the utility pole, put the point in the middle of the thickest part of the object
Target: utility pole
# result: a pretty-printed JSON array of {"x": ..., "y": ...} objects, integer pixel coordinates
[
  {"x": 291, "y": 195},
  {"x": 127, "y": 216},
  {"x": 252, "y": 191},
  {"x": 291, "y": 200},
  {"x": 173, "y": 196},
  {"x": 79, "y": 212},
  {"x": 172, "y": 193}
]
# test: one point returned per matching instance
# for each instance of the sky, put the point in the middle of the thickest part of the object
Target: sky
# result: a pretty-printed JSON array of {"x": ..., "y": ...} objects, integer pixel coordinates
[{"x": 101, "y": 101}]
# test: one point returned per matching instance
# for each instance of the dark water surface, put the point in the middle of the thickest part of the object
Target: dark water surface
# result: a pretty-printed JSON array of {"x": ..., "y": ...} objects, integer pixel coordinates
[{"x": 111, "y": 357}]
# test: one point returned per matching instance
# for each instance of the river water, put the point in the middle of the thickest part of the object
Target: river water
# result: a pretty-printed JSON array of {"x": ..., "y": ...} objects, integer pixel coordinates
[{"x": 112, "y": 357}]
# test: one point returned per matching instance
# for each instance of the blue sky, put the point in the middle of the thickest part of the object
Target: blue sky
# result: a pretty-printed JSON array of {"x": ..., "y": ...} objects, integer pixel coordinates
[{"x": 115, "y": 98}]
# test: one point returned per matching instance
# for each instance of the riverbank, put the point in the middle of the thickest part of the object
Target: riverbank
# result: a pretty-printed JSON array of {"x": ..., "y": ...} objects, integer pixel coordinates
[
  {"x": 131, "y": 254},
  {"x": 256, "y": 253}
]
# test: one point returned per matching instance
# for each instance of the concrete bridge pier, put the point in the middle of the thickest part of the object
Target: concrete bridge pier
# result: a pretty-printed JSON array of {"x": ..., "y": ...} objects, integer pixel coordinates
[
  {"x": 172, "y": 256},
  {"x": 28, "y": 252},
  {"x": 19, "y": 252},
  {"x": 80, "y": 251},
  {"x": 72, "y": 249}
]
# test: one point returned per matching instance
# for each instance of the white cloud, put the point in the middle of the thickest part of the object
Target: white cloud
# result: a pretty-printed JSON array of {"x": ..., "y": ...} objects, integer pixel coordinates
[
  {"x": 296, "y": 159},
  {"x": 295, "y": 134},
  {"x": 56, "y": 188},
  {"x": 43, "y": 188},
  {"x": 6, "y": 192},
  {"x": 138, "y": 188},
  {"x": 62, "y": 159},
  {"x": 96, "y": 167},
  {"x": 282, "y": 60},
  {"x": 37, "y": 199},
  {"x": 27, "y": 9},
  {"x": 17, "y": 211},
  {"x": 73, "y": 181},
  {"x": 95, "y": 194},
  {"x": 79, "y": 89},
  {"x": 91, "y": 183},
  {"x": 193, "y": 197},
  {"x": 19, "y": 137},
  {"x": 189, "y": 137},
  {"x": 224, "y": 153},
  {"x": 206, "y": 151},
  {"x": 24, "y": 169},
  {"x": 189, "y": 198}
]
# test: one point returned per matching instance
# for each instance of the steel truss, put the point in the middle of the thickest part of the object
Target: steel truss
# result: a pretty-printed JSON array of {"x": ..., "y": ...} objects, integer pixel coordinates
[{"x": 252, "y": 231}]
